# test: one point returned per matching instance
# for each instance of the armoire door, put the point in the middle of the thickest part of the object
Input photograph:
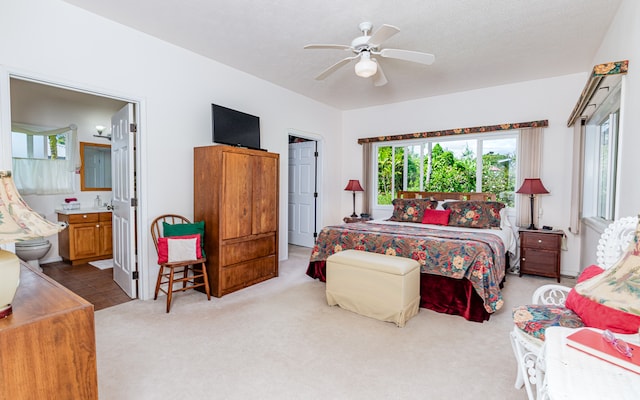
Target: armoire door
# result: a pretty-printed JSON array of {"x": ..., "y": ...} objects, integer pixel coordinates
[
  {"x": 236, "y": 208},
  {"x": 265, "y": 195}
]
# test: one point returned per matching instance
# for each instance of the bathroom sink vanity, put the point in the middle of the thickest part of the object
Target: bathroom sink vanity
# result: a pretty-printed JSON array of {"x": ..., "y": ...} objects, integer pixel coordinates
[{"x": 88, "y": 237}]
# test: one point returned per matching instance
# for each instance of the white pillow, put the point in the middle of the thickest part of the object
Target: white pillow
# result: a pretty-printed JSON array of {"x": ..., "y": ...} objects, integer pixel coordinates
[
  {"x": 181, "y": 249},
  {"x": 441, "y": 202},
  {"x": 504, "y": 219}
]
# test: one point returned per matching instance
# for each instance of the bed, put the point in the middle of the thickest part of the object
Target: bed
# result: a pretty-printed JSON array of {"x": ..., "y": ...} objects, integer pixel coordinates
[{"x": 462, "y": 268}]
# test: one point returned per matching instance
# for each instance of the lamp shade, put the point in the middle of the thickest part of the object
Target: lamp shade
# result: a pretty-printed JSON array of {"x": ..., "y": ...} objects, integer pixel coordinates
[
  {"x": 17, "y": 222},
  {"x": 366, "y": 67},
  {"x": 532, "y": 186},
  {"x": 354, "y": 186}
]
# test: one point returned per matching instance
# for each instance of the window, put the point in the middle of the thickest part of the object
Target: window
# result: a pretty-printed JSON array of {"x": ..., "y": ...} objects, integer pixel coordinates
[
  {"x": 49, "y": 147},
  {"x": 601, "y": 155},
  {"x": 448, "y": 165},
  {"x": 43, "y": 159}
]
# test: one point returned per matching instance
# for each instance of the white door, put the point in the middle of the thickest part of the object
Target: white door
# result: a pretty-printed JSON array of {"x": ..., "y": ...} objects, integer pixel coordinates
[
  {"x": 302, "y": 186},
  {"x": 123, "y": 191}
]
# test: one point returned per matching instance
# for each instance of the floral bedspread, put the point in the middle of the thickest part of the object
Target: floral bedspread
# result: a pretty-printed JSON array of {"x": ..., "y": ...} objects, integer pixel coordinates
[{"x": 479, "y": 257}]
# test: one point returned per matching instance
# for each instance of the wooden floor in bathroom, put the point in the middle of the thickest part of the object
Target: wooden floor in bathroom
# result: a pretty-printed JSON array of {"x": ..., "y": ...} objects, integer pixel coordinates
[{"x": 93, "y": 284}]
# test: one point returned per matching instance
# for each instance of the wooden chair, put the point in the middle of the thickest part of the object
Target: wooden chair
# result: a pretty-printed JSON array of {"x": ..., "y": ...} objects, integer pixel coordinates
[{"x": 192, "y": 273}]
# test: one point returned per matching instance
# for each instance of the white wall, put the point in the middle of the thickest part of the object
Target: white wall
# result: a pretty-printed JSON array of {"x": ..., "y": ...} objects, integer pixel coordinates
[
  {"x": 56, "y": 41},
  {"x": 552, "y": 99}
]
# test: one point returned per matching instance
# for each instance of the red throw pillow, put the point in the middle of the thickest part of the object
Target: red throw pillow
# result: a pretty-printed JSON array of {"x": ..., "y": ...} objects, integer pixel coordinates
[
  {"x": 436, "y": 217},
  {"x": 163, "y": 247},
  {"x": 597, "y": 315}
]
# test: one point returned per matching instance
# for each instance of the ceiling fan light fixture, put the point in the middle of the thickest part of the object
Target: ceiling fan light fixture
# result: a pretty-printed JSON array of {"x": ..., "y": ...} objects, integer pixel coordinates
[
  {"x": 362, "y": 47},
  {"x": 366, "y": 67}
]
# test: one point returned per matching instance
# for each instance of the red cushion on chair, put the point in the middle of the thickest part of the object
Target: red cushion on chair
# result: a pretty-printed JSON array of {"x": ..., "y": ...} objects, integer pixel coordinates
[
  {"x": 597, "y": 315},
  {"x": 436, "y": 217},
  {"x": 589, "y": 272},
  {"x": 163, "y": 247}
]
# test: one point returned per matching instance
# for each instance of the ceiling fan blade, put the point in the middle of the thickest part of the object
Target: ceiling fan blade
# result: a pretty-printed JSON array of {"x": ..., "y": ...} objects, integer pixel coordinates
[
  {"x": 328, "y": 46},
  {"x": 382, "y": 34},
  {"x": 379, "y": 79},
  {"x": 334, "y": 67},
  {"x": 408, "y": 55}
]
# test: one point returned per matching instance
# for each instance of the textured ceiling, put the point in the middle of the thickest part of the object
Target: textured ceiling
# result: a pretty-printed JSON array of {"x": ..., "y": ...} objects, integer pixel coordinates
[{"x": 477, "y": 43}]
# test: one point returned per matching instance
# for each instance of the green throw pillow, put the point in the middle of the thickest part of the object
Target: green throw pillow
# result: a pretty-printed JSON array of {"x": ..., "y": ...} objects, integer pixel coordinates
[{"x": 185, "y": 229}]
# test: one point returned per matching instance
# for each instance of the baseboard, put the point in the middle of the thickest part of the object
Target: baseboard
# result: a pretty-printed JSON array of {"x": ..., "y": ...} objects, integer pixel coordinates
[{"x": 50, "y": 260}]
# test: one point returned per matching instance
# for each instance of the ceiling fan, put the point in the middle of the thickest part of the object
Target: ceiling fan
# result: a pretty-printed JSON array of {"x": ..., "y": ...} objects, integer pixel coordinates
[{"x": 365, "y": 47}]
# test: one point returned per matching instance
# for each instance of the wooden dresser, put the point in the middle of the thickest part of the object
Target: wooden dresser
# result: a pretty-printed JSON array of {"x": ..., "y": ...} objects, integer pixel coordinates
[
  {"x": 47, "y": 346},
  {"x": 236, "y": 195}
]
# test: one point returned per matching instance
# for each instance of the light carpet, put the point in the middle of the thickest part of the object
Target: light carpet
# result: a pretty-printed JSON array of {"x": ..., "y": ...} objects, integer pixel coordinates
[
  {"x": 102, "y": 264},
  {"x": 280, "y": 340}
]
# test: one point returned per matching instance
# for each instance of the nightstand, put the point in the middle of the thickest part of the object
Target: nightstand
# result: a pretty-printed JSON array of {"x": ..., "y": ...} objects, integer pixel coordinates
[{"x": 540, "y": 252}]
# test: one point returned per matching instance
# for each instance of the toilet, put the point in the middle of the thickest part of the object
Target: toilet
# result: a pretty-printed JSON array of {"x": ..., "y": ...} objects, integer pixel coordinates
[{"x": 33, "y": 250}]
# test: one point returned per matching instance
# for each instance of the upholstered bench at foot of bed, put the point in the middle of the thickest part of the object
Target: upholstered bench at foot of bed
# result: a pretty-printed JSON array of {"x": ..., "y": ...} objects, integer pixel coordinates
[{"x": 375, "y": 285}]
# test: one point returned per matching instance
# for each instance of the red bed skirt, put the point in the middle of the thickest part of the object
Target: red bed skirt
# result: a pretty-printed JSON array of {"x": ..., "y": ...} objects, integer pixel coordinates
[{"x": 438, "y": 293}]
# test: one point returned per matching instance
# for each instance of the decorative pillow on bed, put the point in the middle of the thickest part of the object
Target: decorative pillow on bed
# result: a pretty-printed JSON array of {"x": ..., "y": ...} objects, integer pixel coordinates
[
  {"x": 598, "y": 315},
  {"x": 474, "y": 214},
  {"x": 411, "y": 210},
  {"x": 436, "y": 217},
  {"x": 178, "y": 248}
]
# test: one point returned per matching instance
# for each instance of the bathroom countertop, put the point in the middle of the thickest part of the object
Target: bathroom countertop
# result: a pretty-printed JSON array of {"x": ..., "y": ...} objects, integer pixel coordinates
[{"x": 82, "y": 211}]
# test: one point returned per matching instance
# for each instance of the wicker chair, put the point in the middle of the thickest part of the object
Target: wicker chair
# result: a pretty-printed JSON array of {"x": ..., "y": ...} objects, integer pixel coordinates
[
  {"x": 191, "y": 273},
  {"x": 611, "y": 246}
]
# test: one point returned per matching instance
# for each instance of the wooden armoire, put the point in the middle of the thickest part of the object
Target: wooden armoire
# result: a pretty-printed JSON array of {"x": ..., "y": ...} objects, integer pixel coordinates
[{"x": 236, "y": 195}]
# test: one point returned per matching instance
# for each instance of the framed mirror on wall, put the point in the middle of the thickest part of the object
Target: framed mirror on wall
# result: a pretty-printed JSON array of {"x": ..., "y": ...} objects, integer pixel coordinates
[{"x": 95, "y": 170}]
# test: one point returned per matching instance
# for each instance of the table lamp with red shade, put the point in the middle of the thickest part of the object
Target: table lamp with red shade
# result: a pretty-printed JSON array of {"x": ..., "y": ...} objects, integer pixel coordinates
[
  {"x": 354, "y": 186},
  {"x": 532, "y": 186}
]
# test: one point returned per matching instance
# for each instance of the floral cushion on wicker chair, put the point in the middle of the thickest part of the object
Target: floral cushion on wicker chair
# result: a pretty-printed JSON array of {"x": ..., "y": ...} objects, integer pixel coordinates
[{"x": 533, "y": 319}]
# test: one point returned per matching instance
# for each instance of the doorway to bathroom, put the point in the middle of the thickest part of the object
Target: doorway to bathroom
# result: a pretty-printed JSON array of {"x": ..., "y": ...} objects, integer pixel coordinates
[{"x": 38, "y": 103}]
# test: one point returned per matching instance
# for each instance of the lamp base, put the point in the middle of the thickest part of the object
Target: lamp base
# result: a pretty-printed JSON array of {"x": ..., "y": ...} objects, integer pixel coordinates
[
  {"x": 9, "y": 281},
  {"x": 532, "y": 226},
  {"x": 354, "y": 215}
]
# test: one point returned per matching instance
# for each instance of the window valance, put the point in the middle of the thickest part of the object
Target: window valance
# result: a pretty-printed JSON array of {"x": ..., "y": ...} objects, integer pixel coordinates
[
  {"x": 600, "y": 74},
  {"x": 458, "y": 131}
]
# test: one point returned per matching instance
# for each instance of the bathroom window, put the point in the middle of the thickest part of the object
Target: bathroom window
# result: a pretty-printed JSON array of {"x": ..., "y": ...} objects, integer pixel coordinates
[
  {"x": 43, "y": 160},
  {"x": 51, "y": 147}
]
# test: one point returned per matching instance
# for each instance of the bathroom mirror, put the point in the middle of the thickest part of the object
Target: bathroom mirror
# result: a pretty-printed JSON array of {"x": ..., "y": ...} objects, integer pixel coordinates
[{"x": 95, "y": 170}]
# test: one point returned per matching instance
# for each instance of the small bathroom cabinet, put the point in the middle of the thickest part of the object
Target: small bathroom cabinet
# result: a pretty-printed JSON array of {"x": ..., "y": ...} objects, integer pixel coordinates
[{"x": 88, "y": 237}]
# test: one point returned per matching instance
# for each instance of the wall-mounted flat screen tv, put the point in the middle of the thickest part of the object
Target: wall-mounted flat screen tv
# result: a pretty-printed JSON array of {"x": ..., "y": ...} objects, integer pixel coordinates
[{"x": 235, "y": 128}]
